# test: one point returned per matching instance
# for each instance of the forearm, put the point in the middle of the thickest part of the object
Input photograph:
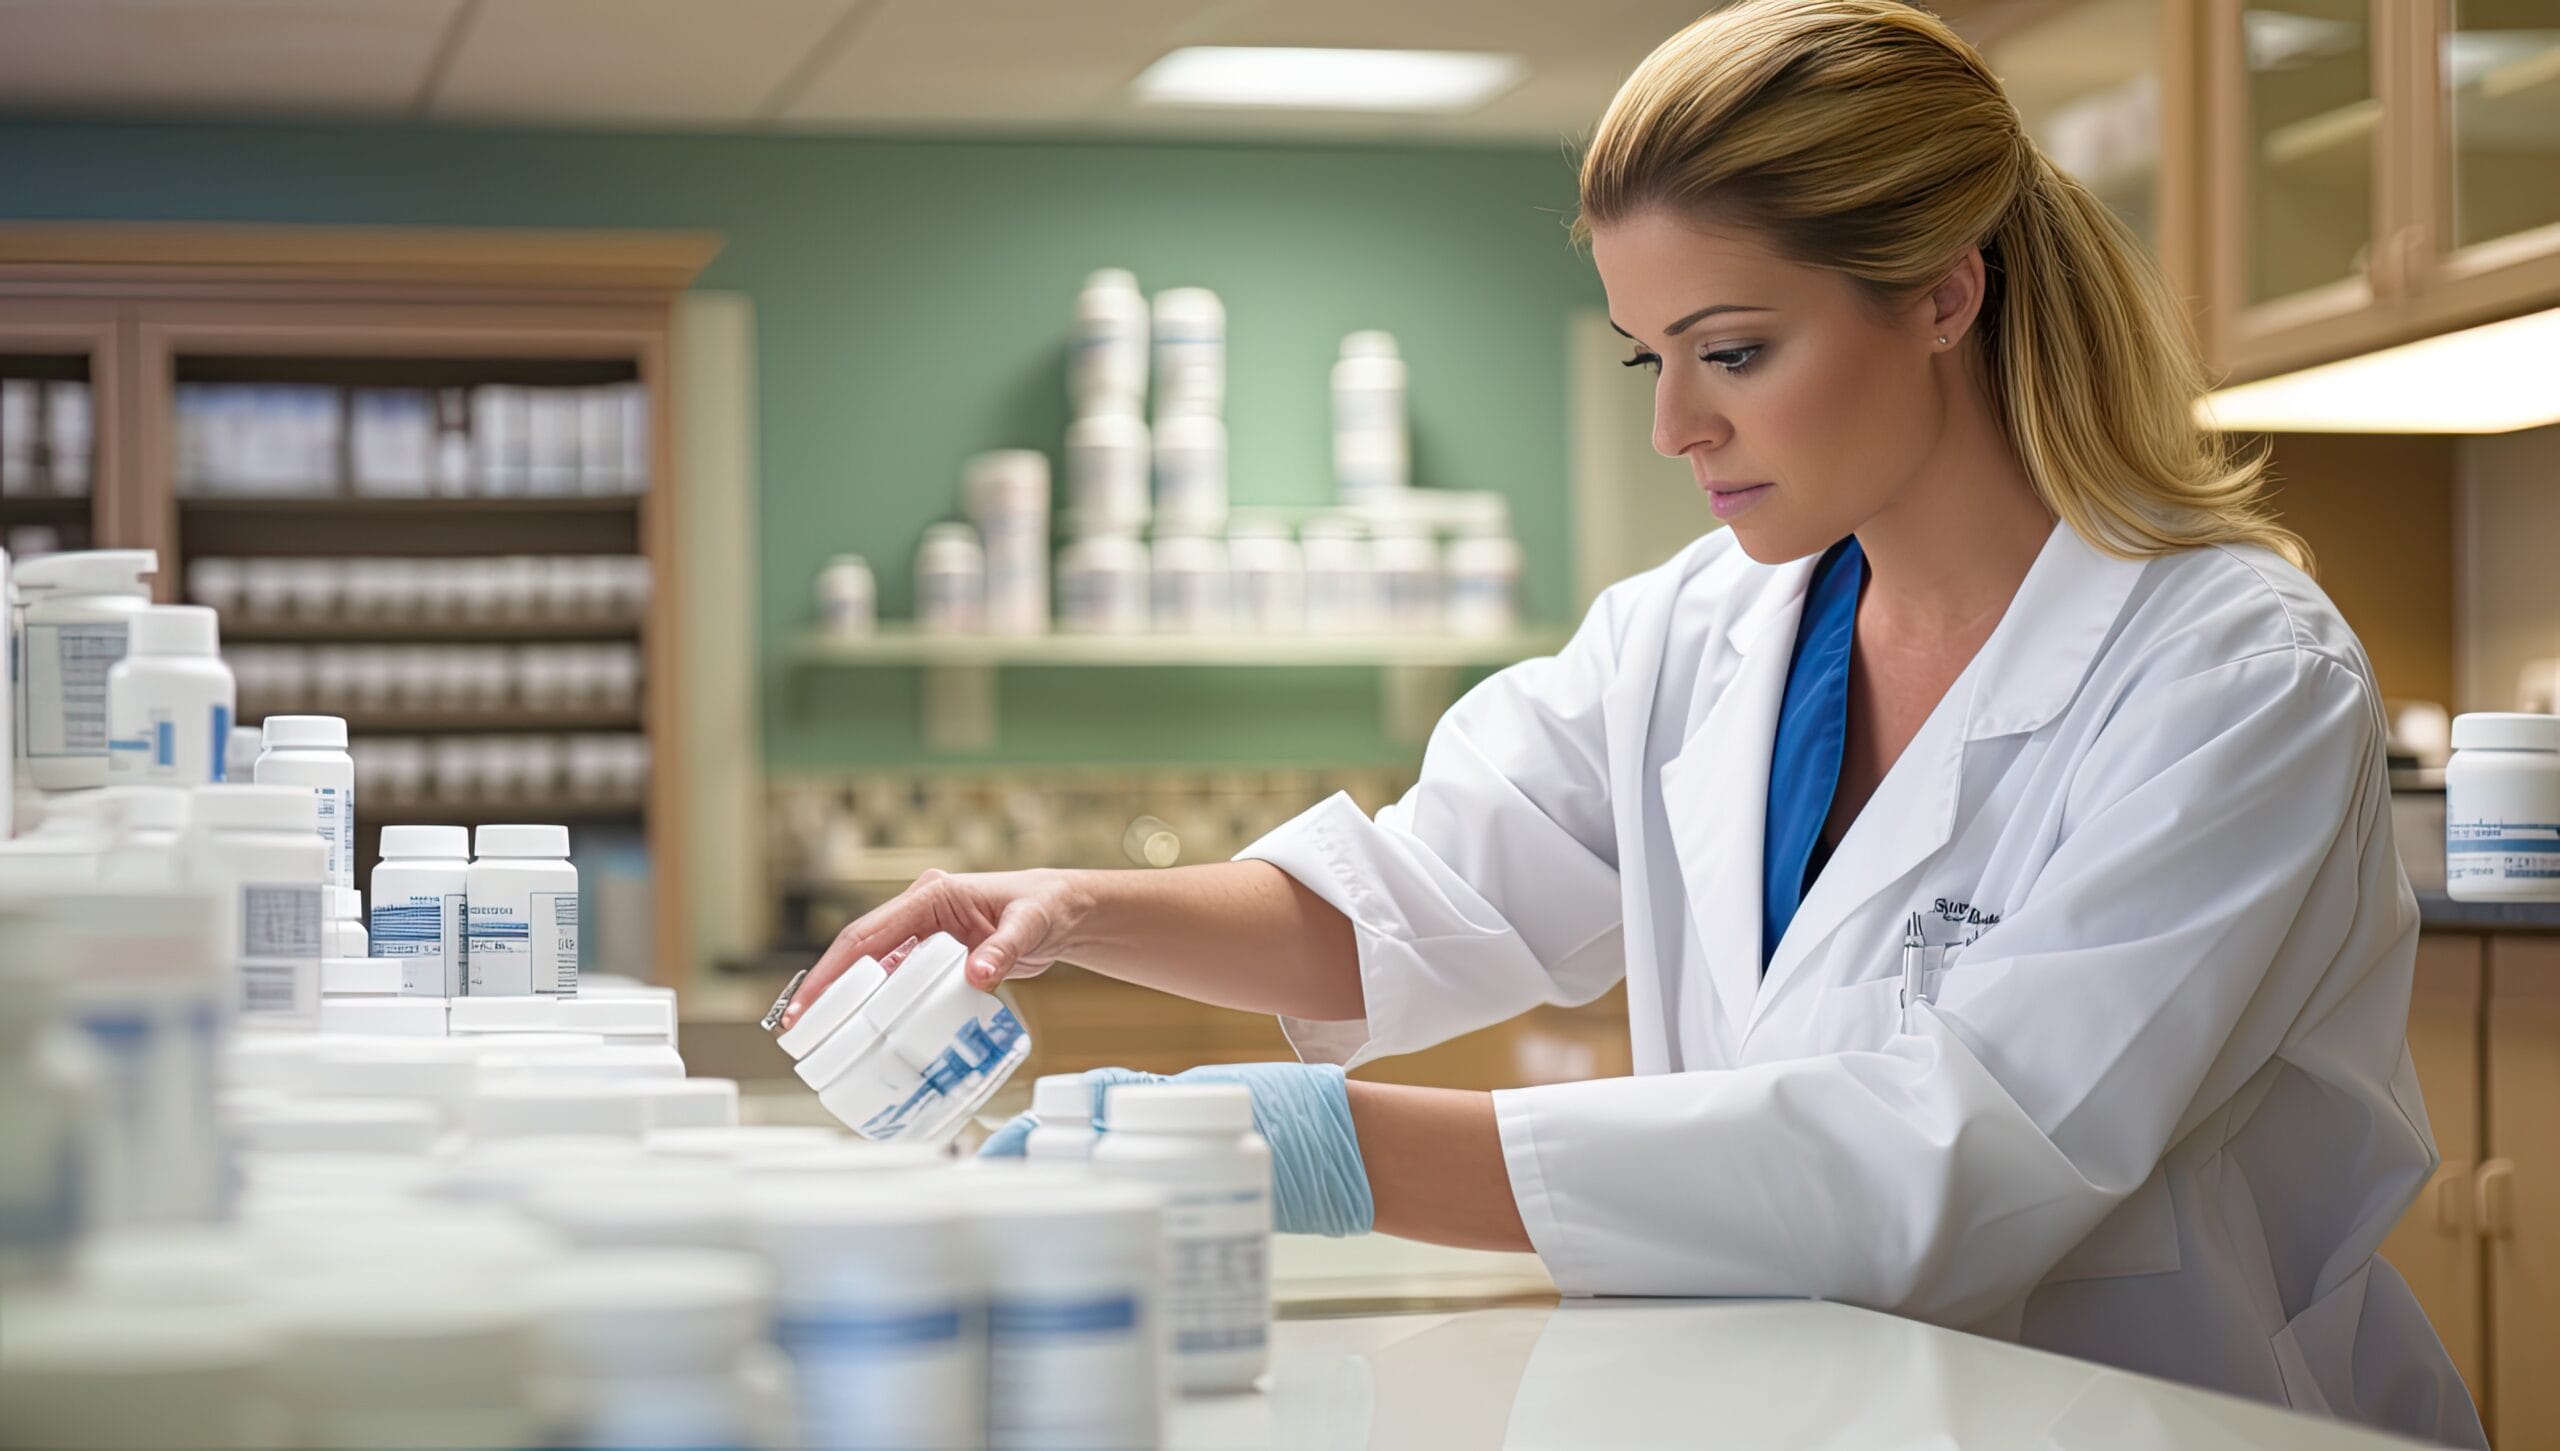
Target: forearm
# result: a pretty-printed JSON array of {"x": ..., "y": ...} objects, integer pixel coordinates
[
  {"x": 1436, "y": 1170},
  {"x": 1239, "y": 935}
]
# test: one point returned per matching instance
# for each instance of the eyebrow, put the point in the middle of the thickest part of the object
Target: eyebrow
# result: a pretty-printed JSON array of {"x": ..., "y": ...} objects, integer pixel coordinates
[{"x": 1683, "y": 325}]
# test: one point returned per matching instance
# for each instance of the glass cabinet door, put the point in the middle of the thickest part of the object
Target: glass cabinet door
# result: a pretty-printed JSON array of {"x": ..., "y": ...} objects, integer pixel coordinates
[
  {"x": 2500, "y": 64},
  {"x": 2086, "y": 80},
  {"x": 2313, "y": 122}
]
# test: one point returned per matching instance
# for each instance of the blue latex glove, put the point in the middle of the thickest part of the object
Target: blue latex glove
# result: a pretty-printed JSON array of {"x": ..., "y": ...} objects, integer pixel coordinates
[{"x": 1302, "y": 1110}]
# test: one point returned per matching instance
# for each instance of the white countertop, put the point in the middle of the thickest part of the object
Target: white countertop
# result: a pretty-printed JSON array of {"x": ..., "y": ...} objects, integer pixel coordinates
[{"x": 1369, "y": 1353}]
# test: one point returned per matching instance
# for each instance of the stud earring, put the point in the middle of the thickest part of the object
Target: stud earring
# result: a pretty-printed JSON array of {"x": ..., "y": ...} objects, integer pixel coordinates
[{"x": 1942, "y": 340}]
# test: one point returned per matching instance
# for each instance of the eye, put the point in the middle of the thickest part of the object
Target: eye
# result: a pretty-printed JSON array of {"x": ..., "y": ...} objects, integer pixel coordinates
[
  {"x": 1643, "y": 359},
  {"x": 1733, "y": 360}
]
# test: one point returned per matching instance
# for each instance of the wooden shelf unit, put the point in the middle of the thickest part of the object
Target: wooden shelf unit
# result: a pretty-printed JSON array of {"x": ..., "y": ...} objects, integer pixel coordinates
[{"x": 149, "y": 306}]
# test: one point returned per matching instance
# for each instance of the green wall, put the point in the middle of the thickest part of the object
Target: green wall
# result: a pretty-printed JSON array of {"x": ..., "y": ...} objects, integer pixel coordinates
[{"x": 912, "y": 300}]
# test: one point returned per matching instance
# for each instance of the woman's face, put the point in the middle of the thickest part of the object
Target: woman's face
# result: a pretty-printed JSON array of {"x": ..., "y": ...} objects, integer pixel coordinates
[{"x": 1801, "y": 409}]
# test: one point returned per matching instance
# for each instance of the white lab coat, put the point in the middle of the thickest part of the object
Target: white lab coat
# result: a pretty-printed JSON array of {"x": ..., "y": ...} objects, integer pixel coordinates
[{"x": 2156, "y": 1108}]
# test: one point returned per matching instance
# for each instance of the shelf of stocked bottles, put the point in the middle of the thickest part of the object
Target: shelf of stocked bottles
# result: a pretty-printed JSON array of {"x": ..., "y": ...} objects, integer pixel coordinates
[{"x": 899, "y": 645}]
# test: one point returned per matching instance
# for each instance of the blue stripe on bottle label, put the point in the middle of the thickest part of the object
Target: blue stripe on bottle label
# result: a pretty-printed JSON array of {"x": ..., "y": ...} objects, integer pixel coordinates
[
  {"x": 838, "y": 1332},
  {"x": 1036, "y": 1319},
  {"x": 221, "y": 741}
]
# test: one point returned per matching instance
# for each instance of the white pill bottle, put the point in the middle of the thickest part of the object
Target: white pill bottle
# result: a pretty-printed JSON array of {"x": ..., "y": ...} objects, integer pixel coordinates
[
  {"x": 1107, "y": 361},
  {"x": 170, "y": 701},
  {"x": 1372, "y": 458},
  {"x": 951, "y": 580},
  {"x": 257, "y": 849},
  {"x": 1063, "y": 1103},
  {"x": 1191, "y": 352},
  {"x": 310, "y": 751},
  {"x": 1108, "y": 459},
  {"x": 2502, "y": 808},
  {"x": 522, "y": 905},
  {"x": 78, "y": 607},
  {"x": 419, "y": 888},
  {"x": 1195, "y": 1142}
]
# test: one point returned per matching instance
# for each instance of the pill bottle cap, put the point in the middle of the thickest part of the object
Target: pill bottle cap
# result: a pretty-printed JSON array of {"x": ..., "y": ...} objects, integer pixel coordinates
[
  {"x": 426, "y": 841},
  {"x": 1179, "y": 1108},
  {"x": 1112, "y": 277},
  {"x": 180, "y": 630},
  {"x": 1062, "y": 1098},
  {"x": 833, "y": 1006},
  {"x": 306, "y": 732},
  {"x": 522, "y": 842},
  {"x": 1369, "y": 344},
  {"x": 89, "y": 571},
  {"x": 256, "y": 808},
  {"x": 2506, "y": 731}
]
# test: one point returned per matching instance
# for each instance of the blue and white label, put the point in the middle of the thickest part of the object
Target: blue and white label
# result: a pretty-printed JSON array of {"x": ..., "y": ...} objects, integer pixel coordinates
[
  {"x": 279, "y": 951},
  {"x": 66, "y": 680},
  {"x": 979, "y": 1048},
  {"x": 424, "y": 930},
  {"x": 2501, "y": 851},
  {"x": 885, "y": 1375},
  {"x": 516, "y": 951}
]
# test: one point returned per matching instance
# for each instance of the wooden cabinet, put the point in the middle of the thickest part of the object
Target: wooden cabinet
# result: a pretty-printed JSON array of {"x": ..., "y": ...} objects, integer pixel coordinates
[
  {"x": 2481, "y": 1246},
  {"x": 2376, "y": 171},
  {"x": 2517, "y": 1191}
]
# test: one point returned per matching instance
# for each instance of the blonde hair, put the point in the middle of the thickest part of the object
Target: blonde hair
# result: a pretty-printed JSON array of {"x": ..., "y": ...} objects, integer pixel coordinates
[{"x": 1865, "y": 137}]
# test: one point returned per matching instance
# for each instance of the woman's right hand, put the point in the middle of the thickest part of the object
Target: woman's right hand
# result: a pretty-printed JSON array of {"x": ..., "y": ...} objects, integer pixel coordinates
[{"x": 1015, "y": 924}]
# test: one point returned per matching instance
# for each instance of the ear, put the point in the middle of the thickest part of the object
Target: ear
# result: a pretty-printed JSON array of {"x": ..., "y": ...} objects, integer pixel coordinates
[{"x": 1951, "y": 306}]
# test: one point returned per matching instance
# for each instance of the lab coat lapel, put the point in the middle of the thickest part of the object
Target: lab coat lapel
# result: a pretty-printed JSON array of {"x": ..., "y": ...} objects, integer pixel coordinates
[
  {"x": 2024, "y": 676},
  {"x": 1716, "y": 795}
]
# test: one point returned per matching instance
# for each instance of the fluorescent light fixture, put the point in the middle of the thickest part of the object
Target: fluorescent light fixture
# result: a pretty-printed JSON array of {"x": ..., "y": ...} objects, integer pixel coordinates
[
  {"x": 2495, "y": 378},
  {"x": 1320, "y": 79}
]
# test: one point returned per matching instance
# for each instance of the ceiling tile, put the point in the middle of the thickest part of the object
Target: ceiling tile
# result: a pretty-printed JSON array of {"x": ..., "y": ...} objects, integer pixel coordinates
[
  {"x": 630, "y": 62},
  {"x": 218, "y": 56}
]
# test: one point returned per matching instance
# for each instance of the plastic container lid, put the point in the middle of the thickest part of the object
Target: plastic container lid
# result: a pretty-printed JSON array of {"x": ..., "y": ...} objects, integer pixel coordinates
[
  {"x": 151, "y": 808},
  {"x": 1369, "y": 343},
  {"x": 509, "y": 1107},
  {"x": 179, "y": 630},
  {"x": 374, "y": 1126},
  {"x": 625, "y": 1312},
  {"x": 518, "y": 842},
  {"x": 833, "y": 1006},
  {"x": 638, "y": 1015},
  {"x": 2499, "y": 730},
  {"x": 169, "y": 1265},
  {"x": 306, "y": 732},
  {"x": 360, "y": 976},
  {"x": 425, "y": 841},
  {"x": 614, "y": 1063},
  {"x": 256, "y": 808},
  {"x": 523, "y": 1013},
  {"x": 400, "y": 1017},
  {"x": 691, "y": 1103},
  {"x": 1178, "y": 1108},
  {"x": 742, "y": 1141},
  {"x": 1189, "y": 304},
  {"x": 88, "y": 571},
  {"x": 1062, "y": 1098},
  {"x": 848, "y": 1241},
  {"x": 1118, "y": 278}
]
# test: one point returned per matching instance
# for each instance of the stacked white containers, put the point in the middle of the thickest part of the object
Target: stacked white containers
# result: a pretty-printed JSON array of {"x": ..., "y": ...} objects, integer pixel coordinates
[
  {"x": 310, "y": 751},
  {"x": 418, "y": 896},
  {"x": 1190, "y": 404},
  {"x": 78, "y": 608},
  {"x": 1372, "y": 453},
  {"x": 170, "y": 700},
  {"x": 257, "y": 849},
  {"x": 1110, "y": 453},
  {"x": 1008, "y": 499},
  {"x": 522, "y": 901},
  {"x": 951, "y": 580}
]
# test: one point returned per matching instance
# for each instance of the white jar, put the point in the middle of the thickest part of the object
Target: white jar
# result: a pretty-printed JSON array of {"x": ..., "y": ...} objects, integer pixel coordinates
[
  {"x": 951, "y": 580},
  {"x": 1103, "y": 586},
  {"x": 1371, "y": 453},
  {"x": 1409, "y": 583},
  {"x": 151, "y": 824},
  {"x": 2502, "y": 808},
  {"x": 385, "y": 1356},
  {"x": 1007, "y": 494},
  {"x": 1195, "y": 1142},
  {"x": 1063, "y": 1104},
  {"x": 522, "y": 912},
  {"x": 1481, "y": 573},
  {"x": 908, "y": 1055},
  {"x": 258, "y": 849},
  {"x": 310, "y": 751},
  {"x": 1191, "y": 352},
  {"x": 170, "y": 701},
  {"x": 343, "y": 934},
  {"x": 1343, "y": 596},
  {"x": 1107, "y": 358},
  {"x": 848, "y": 599},
  {"x": 1108, "y": 459},
  {"x": 78, "y": 607},
  {"x": 1191, "y": 473},
  {"x": 643, "y": 1348},
  {"x": 240, "y": 754},
  {"x": 1192, "y": 588},
  {"x": 419, "y": 889},
  {"x": 875, "y": 1304},
  {"x": 1270, "y": 579},
  {"x": 1074, "y": 1296}
]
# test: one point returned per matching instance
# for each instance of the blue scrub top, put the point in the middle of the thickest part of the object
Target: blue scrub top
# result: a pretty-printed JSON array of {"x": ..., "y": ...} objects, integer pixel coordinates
[{"x": 1813, "y": 727}]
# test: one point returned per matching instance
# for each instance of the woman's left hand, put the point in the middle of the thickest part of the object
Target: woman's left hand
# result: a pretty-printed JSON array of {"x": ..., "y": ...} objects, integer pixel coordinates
[{"x": 1302, "y": 1110}]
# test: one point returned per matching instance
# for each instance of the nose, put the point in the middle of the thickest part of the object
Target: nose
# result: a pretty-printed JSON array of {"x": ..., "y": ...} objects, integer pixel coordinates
[{"x": 1684, "y": 421}]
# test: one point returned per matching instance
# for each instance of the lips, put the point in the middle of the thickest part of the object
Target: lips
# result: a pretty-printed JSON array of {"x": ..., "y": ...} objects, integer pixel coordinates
[{"x": 1731, "y": 500}]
